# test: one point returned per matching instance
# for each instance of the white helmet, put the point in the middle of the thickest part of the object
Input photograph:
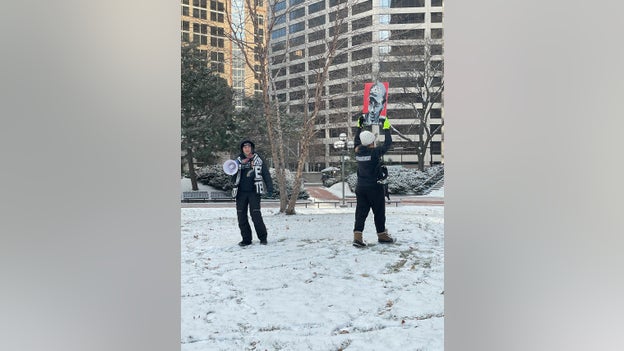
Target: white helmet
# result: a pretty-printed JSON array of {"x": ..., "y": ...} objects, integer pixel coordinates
[{"x": 367, "y": 138}]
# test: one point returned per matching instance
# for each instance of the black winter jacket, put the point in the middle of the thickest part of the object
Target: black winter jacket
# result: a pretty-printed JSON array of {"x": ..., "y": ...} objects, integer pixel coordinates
[
  {"x": 248, "y": 177},
  {"x": 368, "y": 158}
]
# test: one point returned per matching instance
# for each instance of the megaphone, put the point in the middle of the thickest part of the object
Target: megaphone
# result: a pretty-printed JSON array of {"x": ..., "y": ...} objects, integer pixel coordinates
[{"x": 230, "y": 167}]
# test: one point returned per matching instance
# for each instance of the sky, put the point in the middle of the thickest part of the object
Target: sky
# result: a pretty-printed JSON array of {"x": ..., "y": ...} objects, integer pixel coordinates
[{"x": 309, "y": 288}]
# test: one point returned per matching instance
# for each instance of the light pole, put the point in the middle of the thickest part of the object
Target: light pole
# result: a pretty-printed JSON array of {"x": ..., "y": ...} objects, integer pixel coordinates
[{"x": 343, "y": 145}]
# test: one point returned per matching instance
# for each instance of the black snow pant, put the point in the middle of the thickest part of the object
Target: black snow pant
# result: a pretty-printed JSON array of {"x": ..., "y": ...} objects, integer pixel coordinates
[
  {"x": 370, "y": 197},
  {"x": 251, "y": 201}
]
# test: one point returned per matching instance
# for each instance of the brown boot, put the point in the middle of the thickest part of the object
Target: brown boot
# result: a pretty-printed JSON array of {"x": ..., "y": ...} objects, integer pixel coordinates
[
  {"x": 357, "y": 239},
  {"x": 385, "y": 238}
]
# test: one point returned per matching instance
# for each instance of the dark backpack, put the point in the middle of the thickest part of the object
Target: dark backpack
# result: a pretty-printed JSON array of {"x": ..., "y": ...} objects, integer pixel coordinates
[{"x": 382, "y": 174}]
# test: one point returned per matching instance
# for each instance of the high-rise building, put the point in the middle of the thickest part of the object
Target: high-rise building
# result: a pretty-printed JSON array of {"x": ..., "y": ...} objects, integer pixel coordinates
[
  {"x": 381, "y": 40},
  {"x": 206, "y": 23}
]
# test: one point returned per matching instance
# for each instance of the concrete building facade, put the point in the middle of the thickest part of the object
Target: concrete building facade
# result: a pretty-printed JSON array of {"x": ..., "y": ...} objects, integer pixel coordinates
[{"x": 381, "y": 40}]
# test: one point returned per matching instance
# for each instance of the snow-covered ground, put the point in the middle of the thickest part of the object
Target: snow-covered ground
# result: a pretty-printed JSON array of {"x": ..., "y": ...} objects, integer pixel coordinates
[{"x": 309, "y": 288}]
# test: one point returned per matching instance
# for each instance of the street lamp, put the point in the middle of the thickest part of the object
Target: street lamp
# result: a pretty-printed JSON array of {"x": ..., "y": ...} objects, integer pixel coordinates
[{"x": 343, "y": 145}]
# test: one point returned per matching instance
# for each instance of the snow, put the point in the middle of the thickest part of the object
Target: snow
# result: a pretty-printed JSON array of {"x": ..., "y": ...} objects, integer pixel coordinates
[
  {"x": 309, "y": 288},
  {"x": 336, "y": 189},
  {"x": 437, "y": 193}
]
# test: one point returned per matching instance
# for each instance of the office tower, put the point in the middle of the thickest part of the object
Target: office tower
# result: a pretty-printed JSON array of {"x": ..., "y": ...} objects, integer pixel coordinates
[
  {"x": 381, "y": 40},
  {"x": 206, "y": 23}
]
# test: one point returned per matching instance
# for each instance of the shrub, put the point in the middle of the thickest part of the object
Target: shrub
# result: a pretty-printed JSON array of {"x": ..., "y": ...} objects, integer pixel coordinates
[
  {"x": 214, "y": 176},
  {"x": 407, "y": 181}
]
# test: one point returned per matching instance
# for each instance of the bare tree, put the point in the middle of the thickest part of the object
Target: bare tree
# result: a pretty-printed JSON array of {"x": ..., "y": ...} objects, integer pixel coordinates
[
  {"x": 424, "y": 92},
  {"x": 250, "y": 31}
]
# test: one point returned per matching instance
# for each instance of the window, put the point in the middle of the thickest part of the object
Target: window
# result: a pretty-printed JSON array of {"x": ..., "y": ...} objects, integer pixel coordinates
[
  {"x": 339, "y": 73},
  {"x": 317, "y": 49},
  {"x": 320, "y": 34},
  {"x": 217, "y": 6},
  {"x": 281, "y": 85},
  {"x": 185, "y": 25},
  {"x": 296, "y": 95},
  {"x": 279, "y": 6},
  {"x": 316, "y": 64},
  {"x": 337, "y": 30},
  {"x": 201, "y": 14},
  {"x": 436, "y": 113},
  {"x": 338, "y": 14},
  {"x": 362, "y": 23},
  {"x": 362, "y": 54},
  {"x": 217, "y": 17},
  {"x": 278, "y": 33},
  {"x": 362, "y": 7},
  {"x": 339, "y": 88},
  {"x": 342, "y": 58},
  {"x": 294, "y": 14},
  {"x": 361, "y": 38},
  {"x": 217, "y": 61},
  {"x": 316, "y": 21},
  {"x": 316, "y": 7},
  {"x": 384, "y": 19},
  {"x": 295, "y": 2},
  {"x": 185, "y": 2},
  {"x": 333, "y": 3},
  {"x": 296, "y": 54},
  {"x": 433, "y": 128},
  {"x": 297, "y": 41},
  {"x": 437, "y": 49},
  {"x": 436, "y": 2},
  {"x": 216, "y": 39},
  {"x": 436, "y": 147},
  {"x": 296, "y": 82},
  {"x": 280, "y": 19},
  {"x": 385, "y": 4},
  {"x": 280, "y": 45},
  {"x": 384, "y": 49},
  {"x": 185, "y": 37},
  {"x": 436, "y": 17},
  {"x": 297, "y": 27},
  {"x": 384, "y": 34},
  {"x": 407, "y": 18},
  {"x": 297, "y": 68},
  {"x": 407, "y": 3},
  {"x": 437, "y": 33},
  {"x": 360, "y": 70},
  {"x": 408, "y": 34},
  {"x": 337, "y": 103},
  {"x": 185, "y": 11}
]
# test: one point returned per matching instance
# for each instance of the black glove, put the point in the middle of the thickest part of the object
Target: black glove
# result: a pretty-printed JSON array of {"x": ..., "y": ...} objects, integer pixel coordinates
[{"x": 360, "y": 121}]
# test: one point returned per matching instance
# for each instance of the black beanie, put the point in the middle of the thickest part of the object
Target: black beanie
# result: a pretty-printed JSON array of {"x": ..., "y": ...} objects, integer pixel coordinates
[{"x": 246, "y": 141}]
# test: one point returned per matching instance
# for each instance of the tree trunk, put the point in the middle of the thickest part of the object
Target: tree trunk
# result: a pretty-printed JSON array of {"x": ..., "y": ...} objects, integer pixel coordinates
[{"x": 191, "y": 166}]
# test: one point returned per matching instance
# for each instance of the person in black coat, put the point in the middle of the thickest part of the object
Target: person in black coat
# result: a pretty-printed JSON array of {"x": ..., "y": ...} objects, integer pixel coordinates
[
  {"x": 248, "y": 186},
  {"x": 369, "y": 193}
]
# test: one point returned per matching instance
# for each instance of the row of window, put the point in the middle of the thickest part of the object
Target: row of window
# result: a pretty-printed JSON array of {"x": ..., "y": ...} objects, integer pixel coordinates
[
  {"x": 411, "y": 18},
  {"x": 214, "y": 5},
  {"x": 358, "y": 8},
  {"x": 367, "y": 37}
]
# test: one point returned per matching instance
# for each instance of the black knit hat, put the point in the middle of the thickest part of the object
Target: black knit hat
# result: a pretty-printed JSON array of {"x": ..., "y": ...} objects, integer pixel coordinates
[{"x": 247, "y": 141}]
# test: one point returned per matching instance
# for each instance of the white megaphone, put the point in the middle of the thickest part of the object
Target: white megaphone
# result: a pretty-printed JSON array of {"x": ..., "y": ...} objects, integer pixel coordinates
[{"x": 230, "y": 167}]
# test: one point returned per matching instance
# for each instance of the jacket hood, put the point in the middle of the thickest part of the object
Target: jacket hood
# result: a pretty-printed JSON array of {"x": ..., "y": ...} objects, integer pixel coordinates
[{"x": 247, "y": 141}]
